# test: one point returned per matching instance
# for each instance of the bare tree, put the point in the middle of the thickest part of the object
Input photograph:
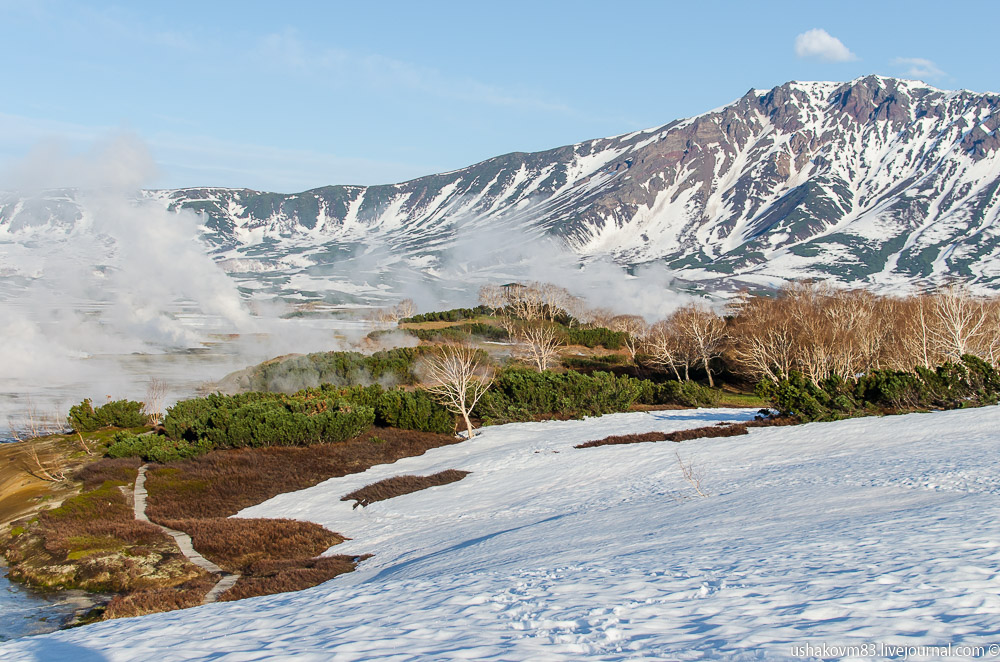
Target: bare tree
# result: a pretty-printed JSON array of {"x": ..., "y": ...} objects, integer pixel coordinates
[
  {"x": 635, "y": 328},
  {"x": 392, "y": 314},
  {"x": 663, "y": 347},
  {"x": 960, "y": 319},
  {"x": 31, "y": 423},
  {"x": 702, "y": 332},
  {"x": 458, "y": 379},
  {"x": 691, "y": 474},
  {"x": 539, "y": 341},
  {"x": 52, "y": 471},
  {"x": 762, "y": 337},
  {"x": 406, "y": 308},
  {"x": 156, "y": 395}
]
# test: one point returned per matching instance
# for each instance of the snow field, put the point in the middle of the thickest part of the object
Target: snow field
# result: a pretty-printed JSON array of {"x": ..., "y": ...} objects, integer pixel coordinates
[{"x": 868, "y": 530}]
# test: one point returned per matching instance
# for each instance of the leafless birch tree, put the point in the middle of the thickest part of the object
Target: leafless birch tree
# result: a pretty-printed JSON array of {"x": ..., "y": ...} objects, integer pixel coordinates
[{"x": 458, "y": 379}]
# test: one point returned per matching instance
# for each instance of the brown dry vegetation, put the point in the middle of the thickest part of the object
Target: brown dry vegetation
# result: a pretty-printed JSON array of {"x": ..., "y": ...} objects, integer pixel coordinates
[
  {"x": 707, "y": 432},
  {"x": 93, "y": 542},
  {"x": 222, "y": 483},
  {"x": 271, "y": 555},
  {"x": 400, "y": 485},
  {"x": 280, "y": 576},
  {"x": 151, "y": 601},
  {"x": 121, "y": 470},
  {"x": 197, "y": 496},
  {"x": 236, "y": 544}
]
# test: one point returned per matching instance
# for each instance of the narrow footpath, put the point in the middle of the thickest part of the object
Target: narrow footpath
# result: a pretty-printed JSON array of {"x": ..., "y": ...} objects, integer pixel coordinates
[{"x": 226, "y": 579}]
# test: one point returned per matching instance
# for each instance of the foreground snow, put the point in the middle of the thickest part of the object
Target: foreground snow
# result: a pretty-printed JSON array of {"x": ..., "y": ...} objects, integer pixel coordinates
[{"x": 872, "y": 531}]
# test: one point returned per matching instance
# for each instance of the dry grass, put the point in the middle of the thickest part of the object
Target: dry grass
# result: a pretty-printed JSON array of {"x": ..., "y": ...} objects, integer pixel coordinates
[
  {"x": 400, "y": 485},
  {"x": 269, "y": 577},
  {"x": 138, "y": 603},
  {"x": 222, "y": 483},
  {"x": 122, "y": 470},
  {"x": 236, "y": 544},
  {"x": 718, "y": 430},
  {"x": 93, "y": 542},
  {"x": 101, "y": 517}
]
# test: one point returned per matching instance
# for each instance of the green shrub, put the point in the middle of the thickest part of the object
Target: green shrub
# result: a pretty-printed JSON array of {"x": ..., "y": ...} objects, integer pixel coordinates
[
  {"x": 265, "y": 419},
  {"x": 155, "y": 448},
  {"x": 970, "y": 383},
  {"x": 461, "y": 333},
  {"x": 119, "y": 413},
  {"x": 519, "y": 394},
  {"x": 453, "y": 315},
  {"x": 596, "y": 336},
  {"x": 340, "y": 368},
  {"x": 397, "y": 408},
  {"x": 687, "y": 394}
]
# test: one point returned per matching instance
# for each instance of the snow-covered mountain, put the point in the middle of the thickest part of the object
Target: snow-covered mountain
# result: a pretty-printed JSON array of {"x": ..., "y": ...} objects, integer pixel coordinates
[
  {"x": 815, "y": 541},
  {"x": 878, "y": 182}
]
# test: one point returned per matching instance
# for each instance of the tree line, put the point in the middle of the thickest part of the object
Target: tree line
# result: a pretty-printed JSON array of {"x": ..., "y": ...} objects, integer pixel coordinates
[{"x": 806, "y": 327}]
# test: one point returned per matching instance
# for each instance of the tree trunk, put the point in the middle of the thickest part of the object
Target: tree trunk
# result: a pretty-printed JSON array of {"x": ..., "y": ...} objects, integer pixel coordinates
[
  {"x": 468, "y": 423},
  {"x": 708, "y": 371}
]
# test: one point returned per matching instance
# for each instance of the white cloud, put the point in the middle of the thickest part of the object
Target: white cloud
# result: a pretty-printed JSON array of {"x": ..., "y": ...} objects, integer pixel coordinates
[
  {"x": 918, "y": 67},
  {"x": 185, "y": 158},
  {"x": 821, "y": 44},
  {"x": 286, "y": 51}
]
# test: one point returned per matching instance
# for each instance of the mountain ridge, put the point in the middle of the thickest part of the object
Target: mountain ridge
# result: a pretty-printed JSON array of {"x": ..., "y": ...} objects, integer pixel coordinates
[{"x": 877, "y": 182}]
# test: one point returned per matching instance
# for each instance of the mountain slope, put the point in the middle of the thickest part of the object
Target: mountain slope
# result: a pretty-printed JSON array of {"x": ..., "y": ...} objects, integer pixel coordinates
[
  {"x": 878, "y": 182},
  {"x": 872, "y": 531}
]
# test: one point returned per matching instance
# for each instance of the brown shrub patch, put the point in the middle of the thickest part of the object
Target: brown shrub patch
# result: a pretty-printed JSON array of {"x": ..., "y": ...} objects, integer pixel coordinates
[
  {"x": 717, "y": 430},
  {"x": 122, "y": 470},
  {"x": 93, "y": 542},
  {"x": 99, "y": 519},
  {"x": 728, "y": 430},
  {"x": 269, "y": 577},
  {"x": 773, "y": 421},
  {"x": 224, "y": 482},
  {"x": 236, "y": 544},
  {"x": 188, "y": 594},
  {"x": 400, "y": 485}
]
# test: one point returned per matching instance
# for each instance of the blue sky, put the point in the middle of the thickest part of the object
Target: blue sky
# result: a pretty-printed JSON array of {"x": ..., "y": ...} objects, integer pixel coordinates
[{"x": 294, "y": 95}]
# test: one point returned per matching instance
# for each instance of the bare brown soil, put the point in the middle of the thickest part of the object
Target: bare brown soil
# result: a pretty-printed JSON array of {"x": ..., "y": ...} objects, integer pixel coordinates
[{"x": 400, "y": 485}]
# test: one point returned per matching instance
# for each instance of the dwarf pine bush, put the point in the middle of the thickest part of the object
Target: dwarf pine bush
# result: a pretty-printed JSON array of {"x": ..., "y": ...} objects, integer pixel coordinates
[
  {"x": 969, "y": 383},
  {"x": 118, "y": 413},
  {"x": 265, "y": 419}
]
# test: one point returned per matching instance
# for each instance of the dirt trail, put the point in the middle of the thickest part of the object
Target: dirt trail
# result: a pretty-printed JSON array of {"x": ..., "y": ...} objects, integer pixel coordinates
[{"x": 226, "y": 581}]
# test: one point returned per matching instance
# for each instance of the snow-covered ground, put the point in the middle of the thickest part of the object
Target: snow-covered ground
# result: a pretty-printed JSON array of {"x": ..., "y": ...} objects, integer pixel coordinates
[{"x": 871, "y": 532}]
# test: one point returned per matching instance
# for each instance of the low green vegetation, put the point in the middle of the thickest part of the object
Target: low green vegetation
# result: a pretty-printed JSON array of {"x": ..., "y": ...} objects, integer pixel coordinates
[
  {"x": 521, "y": 394},
  {"x": 461, "y": 333},
  {"x": 266, "y": 419},
  {"x": 118, "y": 413},
  {"x": 970, "y": 383},
  {"x": 394, "y": 366},
  {"x": 393, "y": 407},
  {"x": 453, "y": 315},
  {"x": 596, "y": 337}
]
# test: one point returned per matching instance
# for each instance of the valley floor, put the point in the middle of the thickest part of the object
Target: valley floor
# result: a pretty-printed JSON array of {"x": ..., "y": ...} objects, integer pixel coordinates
[{"x": 875, "y": 531}]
